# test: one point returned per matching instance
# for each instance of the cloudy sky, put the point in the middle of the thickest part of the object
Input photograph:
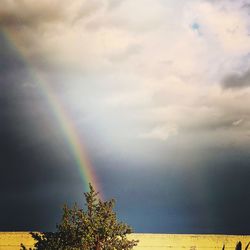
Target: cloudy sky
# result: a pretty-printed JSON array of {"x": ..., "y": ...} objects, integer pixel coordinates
[{"x": 158, "y": 92}]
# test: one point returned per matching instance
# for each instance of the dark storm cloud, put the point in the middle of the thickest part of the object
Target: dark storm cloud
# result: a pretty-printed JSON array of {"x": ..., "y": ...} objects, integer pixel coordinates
[
  {"x": 225, "y": 178},
  {"x": 211, "y": 196},
  {"x": 38, "y": 171},
  {"x": 236, "y": 81}
]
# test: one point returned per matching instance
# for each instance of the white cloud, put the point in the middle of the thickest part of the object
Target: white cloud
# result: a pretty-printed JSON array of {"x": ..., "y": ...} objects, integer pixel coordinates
[
  {"x": 160, "y": 133},
  {"x": 237, "y": 122},
  {"x": 134, "y": 64},
  {"x": 225, "y": 26}
]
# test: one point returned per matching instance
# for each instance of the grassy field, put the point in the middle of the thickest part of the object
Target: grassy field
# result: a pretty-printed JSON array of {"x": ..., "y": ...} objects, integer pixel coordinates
[{"x": 12, "y": 241}]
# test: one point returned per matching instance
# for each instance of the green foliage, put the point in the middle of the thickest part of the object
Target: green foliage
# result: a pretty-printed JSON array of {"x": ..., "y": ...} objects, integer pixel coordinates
[{"x": 96, "y": 228}]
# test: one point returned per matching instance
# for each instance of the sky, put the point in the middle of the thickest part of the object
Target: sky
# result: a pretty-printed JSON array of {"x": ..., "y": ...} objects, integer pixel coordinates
[{"x": 158, "y": 95}]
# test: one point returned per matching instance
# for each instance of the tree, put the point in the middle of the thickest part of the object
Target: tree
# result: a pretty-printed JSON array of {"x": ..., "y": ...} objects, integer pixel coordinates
[
  {"x": 97, "y": 228},
  {"x": 238, "y": 246}
]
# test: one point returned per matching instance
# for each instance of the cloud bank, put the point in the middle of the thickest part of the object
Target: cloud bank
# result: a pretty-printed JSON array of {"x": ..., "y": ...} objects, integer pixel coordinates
[
  {"x": 154, "y": 66},
  {"x": 150, "y": 84}
]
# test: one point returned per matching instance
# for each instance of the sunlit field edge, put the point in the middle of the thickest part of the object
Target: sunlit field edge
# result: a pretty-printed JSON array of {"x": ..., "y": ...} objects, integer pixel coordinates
[{"x": 12, "y": 241}]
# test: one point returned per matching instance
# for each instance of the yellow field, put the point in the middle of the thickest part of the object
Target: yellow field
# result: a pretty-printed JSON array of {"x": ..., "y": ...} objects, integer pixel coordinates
[{"x": 12, "y": 241}]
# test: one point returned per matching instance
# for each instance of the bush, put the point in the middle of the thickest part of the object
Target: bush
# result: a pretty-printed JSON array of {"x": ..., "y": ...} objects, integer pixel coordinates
[
  {"x": 238, "y": 246},
  {"x": 97, "y": 228}
]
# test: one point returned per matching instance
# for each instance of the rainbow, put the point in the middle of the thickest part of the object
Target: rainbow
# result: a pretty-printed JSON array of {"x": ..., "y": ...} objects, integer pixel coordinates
[{"x": 86, "y": 169}]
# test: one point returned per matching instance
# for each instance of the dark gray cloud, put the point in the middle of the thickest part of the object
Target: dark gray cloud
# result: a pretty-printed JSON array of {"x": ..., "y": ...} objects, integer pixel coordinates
[
  {"x": 31, "y": 188},
  {"x": 16, "y": 14},
  {"x": 22, "y": 13},
  {"x": 246, "y": 5},
  {"x": 236, "y": 81},
  {"x": 206, "y": 198},
  {"x": 34, "y": 29}
]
